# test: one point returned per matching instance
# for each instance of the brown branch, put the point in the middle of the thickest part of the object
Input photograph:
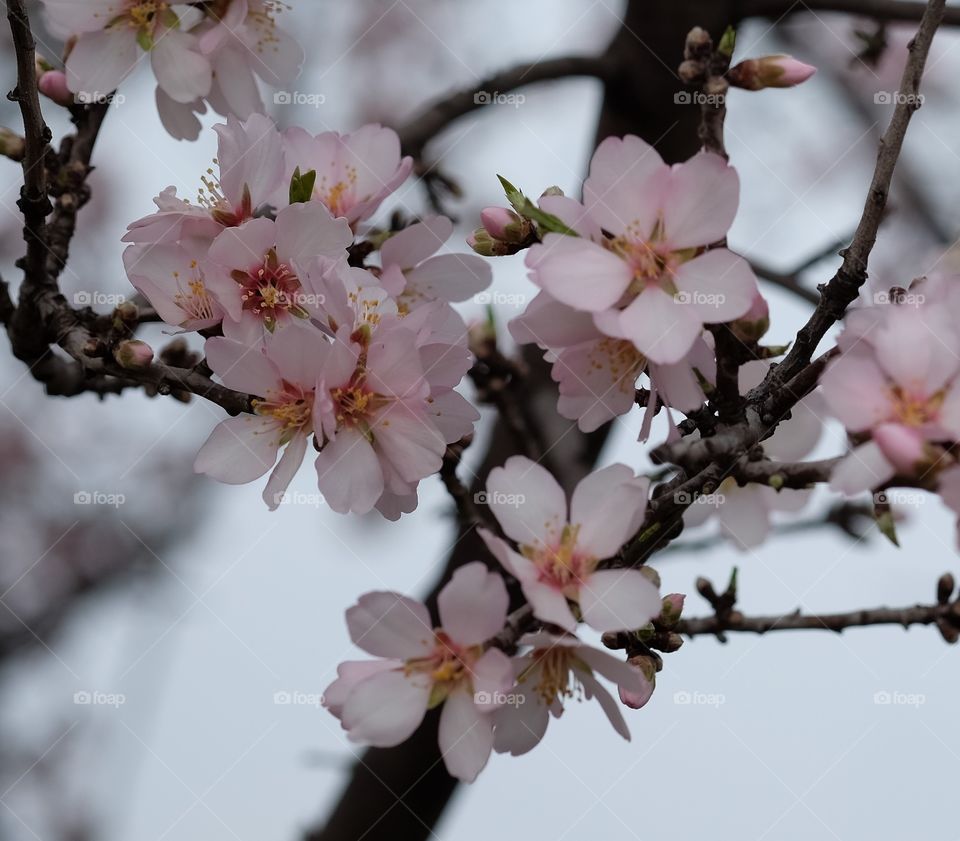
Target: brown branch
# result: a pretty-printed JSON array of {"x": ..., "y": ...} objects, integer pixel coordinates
[
  {"x": 419, "y": 131},
  {"x": 884, "y": 10},
  {"x": 845, "y": 285}
]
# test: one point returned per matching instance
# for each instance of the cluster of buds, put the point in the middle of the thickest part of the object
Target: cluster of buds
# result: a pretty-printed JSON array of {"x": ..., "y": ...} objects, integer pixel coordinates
[
  {"x": 503, "y": 232},
  {"x": 642, "y": 646}
]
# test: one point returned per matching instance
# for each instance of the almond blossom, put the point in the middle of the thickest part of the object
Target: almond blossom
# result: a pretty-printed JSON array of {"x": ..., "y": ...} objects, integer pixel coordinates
[
  {"x": 355, "y": 171},
  {"x": 254, "y": 269},
  {"x": 284, "y": 378},
  {"x": 898, "y": 388},
  {"x": 597, "y": 374},
  {"x": 381, "y": 702},
  {"x": 559, "y": 549},
  {"x": 556, "y": 670},
  {"x": 638, "y": 263},
  {"x": 111, "y": 35}
]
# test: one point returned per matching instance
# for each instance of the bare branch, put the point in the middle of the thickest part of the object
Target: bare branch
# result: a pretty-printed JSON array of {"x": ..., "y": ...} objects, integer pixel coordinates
[{"x": 890, "y": 10}]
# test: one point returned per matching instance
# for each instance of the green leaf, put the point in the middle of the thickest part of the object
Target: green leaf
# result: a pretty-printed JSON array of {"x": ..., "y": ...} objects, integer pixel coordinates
[
  {"x": 145, "y": 40},
  {"x": 301, "y": 186},
  {"x": 728, "y": 42},
  {"x": 888, "y": 527},
  {"x": 528, "y": 210}
]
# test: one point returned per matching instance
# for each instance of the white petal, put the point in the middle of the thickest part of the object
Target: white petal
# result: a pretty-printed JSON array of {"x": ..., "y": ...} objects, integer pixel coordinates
[
  {"x": 465, "y": 736},
  {"x": 390, "y": 625},
  {"x": 385, "y": 709},
  {"x": 618, "y": 600},
  {"x": 473, "y": 605}
]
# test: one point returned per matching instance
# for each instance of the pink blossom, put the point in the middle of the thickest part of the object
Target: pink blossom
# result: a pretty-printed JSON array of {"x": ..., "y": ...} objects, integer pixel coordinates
[
  {"x": 555, "y": 670},
  {"x": 415, "y": 274},
  {"x": 559, "y": 550},
  {"x": 637, "y": 264},
  {"x": 254, "y": 269},
  {"x": 382, "y": 702},
  {"x": 771, "y": 71},
  {"x": 597, "y": 374},
  {"x": 53, "y": 85},
  {"x": 371, "y": 415},
  {"x": 355, "y": 172},
  {"x": 172, "y": 280},
  {"x": 250, "y": 177},
  {"x": 284, "y": 378},
  {"x": 110, "y": 36},
  {"x": 901, "y": 381}
]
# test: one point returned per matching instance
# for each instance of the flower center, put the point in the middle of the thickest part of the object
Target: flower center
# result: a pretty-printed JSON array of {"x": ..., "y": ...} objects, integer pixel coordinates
[
  {"x": 555, "y": 679},
  {"x": 447, "y": 665},
  {"x": 561, "y": 564},
  {"x": 621, "y": 358},
  {"x": 145, "y": 13},
  {"x": 339, "y": 197},
  {"x": 914, "y": 410},
  {"x": 271, "y": 292},
  {"x": 291, "y": 407},
  {"x": 192, "y": 296}
]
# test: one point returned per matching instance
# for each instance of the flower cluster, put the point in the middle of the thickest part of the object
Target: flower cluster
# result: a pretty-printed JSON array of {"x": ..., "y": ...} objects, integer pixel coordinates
[
  {"x": 895, "y": 386},
  {"x": 362, "y": 358},
  {"x": 491, "y": 701},
  {"x": 630, "y": 278},
  {"x": 202, "y": 54}
]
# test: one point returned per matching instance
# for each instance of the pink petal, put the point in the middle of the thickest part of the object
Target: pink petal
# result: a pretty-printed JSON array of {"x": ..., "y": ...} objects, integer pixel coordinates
[
  {"x": 527, "y": 501},
  {"x": 701, "y": 201},
  {"x": 385, "y": 709},
  {"x": 863, "y": 469},
  {"x": 519, "y": 728},
  {"x": 465, "y": 736},
  {"x": 608, "y": 505},
  {"x": 618, "y": 600},
  {"x": 349, "y": 474},
  {"x": 720, "y": 285},
  {"x": 578, "y": 272},
  {"x": 307, "y": 230},
  {"x": 473, "y": 605},
  {"x": 285, "y": 470},
  {"x": 387, "y": 624},
  {"x": 349, "y": 674},
  {"x": 239, "y": 450},
  {"x": 241, "y": 367},
  {"x": 856, "y": 390},
  {"x": 548, "y": 604},
  {"x": 607, "y": 702},
  {"x": 743, "y": 516},
  {"x": 416, "y": 243},
  {"x": 661, "y": 328},
  {"x": 492, "y": 677}
]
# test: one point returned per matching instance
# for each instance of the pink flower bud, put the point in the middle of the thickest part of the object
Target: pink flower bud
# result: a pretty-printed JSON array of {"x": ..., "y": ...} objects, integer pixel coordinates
[
  {"x": 902, "y": 446},
  {"x": 772, "y": 71},
  {"x": 754, "y": 323},
  {"x": 671, "y": 610},
  {"x": 133, "y": 354},
  {"x": 497, "y": 219},
  {"x": 646, "y": 668},
  {"x": 53, "y": 85}
]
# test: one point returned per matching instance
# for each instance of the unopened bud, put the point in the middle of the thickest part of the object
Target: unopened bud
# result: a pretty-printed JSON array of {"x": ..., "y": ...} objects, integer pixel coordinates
[
  {"x": 647, "y": 670},
  {"x": 133, "y": 354},
  {"x": 672, "y": 607},
  {"x": 669, "y": 643},
  {"x": 551, "y": 191},
  {"x": 486, "y": 246},
  {"x": 754, "y": 323},
  {"x": 949, "y": 633},
  {"x": 128, "y": 312},
  {"x": 699, "y": 44},
  {"x": 53, "y": 85},
  {"x": 945, "y": 587},
  {"x": 503, "y": 224},
  {"x": 772, "y": 71}
]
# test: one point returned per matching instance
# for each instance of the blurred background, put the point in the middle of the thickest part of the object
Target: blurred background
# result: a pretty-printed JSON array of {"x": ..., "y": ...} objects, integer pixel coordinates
[{"x": 164, "y": 640}]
